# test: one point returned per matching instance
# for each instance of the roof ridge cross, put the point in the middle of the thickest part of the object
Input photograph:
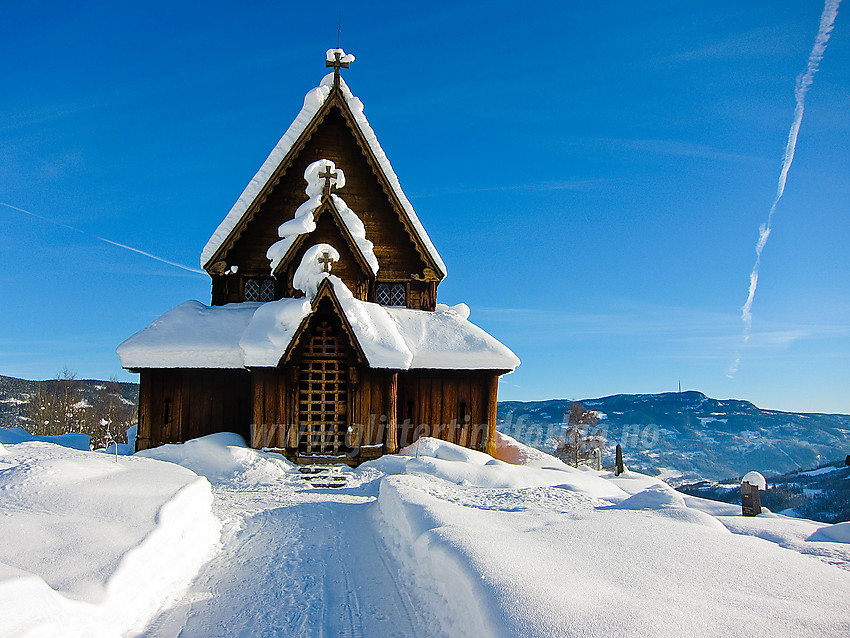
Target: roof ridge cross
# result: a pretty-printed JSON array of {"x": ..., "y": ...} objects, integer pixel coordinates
[{"x": 336, "y": 63}]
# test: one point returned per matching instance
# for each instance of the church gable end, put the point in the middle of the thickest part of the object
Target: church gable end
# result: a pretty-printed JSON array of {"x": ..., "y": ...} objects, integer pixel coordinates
[{"x": 403, "y": 255}]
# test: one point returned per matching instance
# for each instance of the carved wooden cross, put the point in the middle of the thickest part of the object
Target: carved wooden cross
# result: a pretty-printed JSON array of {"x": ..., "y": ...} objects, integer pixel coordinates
[
  {"x": 327, "y": 176},
  {"x": 336, "y": 63},
  {"x": 326, "y": 261}
]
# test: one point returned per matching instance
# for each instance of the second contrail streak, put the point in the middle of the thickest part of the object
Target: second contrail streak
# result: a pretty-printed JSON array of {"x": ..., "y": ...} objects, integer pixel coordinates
[{"x": 108, "y": 241}]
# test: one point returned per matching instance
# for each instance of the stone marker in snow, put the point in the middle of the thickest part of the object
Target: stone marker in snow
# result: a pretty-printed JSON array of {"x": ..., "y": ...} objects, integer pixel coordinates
[
  {"x": 750, "y": 499},
  {"x": 620, "y": 465}
]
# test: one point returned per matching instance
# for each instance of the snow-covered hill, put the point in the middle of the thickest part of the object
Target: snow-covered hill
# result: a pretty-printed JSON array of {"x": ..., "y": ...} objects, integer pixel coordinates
[
  {"x": 437, "y": 541},
  {"x": 16, "y": 393},
  {"x": 687, "y": 436}
]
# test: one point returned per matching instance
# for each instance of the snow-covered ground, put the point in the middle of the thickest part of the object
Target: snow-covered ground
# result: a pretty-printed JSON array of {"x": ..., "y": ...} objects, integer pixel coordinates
[
  {"x": 92, "y": 546},
  {"x": 437, "y": 541}
]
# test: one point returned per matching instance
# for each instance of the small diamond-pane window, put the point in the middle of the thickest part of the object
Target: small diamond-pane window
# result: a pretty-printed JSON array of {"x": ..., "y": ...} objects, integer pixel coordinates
[
  {"x": 398, "y": 295},
  {"x": 252, "y": 290},
  {"x": 267, "y": 290},
  {"x": 382, "y": 294}
]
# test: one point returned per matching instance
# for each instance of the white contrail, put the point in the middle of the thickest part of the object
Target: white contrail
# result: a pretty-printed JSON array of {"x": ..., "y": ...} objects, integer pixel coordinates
[
  {"x": 804, "y": 81},
  {"x": 108, "y": 241}
]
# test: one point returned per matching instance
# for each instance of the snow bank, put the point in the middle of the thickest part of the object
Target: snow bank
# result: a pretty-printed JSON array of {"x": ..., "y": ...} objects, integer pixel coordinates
[
  {"x": 222, "y": 457},
  {"x": 544, "y": 561},
  {"x": 73, "y": 440},
  {"x": 838, "y": 533},
  {"x": 99, "y": 546},
  {"x": 423, "y": 538},
  {"x": 465, "y": 467},
  {"x": 439, "y": 449},
  {"x": 509, "y": 450},
  {"x": 663, "y": 500},
  {"x": 653, "y": 497}
]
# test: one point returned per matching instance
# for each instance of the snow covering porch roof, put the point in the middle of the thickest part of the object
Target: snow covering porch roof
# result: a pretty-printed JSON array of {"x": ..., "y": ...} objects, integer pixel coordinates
[
  {"x": 252, "y": 335},
  {"x": 313, "y": 103}
]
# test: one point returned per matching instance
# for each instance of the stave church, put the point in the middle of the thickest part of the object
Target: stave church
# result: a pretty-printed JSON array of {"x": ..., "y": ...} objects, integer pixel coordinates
[{"x": 323, "y": 340}]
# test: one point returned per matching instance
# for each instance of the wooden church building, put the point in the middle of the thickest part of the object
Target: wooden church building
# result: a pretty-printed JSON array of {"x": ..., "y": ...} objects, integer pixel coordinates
[{"x": 324, "y": 339}]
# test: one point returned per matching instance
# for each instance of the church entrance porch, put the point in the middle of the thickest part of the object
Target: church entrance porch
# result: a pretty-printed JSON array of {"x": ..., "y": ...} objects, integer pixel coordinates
[{"x": 323, "y": 414}]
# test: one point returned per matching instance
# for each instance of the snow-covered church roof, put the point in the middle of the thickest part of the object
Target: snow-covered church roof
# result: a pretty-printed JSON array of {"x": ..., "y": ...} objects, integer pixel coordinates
[
  {"x": 258, "y": 335},
  {"x": 247, "y": 335},
  {"x": 313, "y": 102}
]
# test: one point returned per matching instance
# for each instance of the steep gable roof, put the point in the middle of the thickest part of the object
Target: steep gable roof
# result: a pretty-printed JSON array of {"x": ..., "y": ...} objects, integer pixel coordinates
[
  {"x": 325, "y": 291},
  {"x": 367, "y": 262},
  {"x": 316, "y": 104}
]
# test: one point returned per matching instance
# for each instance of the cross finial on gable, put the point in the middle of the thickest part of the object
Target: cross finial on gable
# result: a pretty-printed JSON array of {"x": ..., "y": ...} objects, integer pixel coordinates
[
  {"x": 328, "y": 175},
  {"x": 336, "y": 63},
  {"x": 326, "y": 262}
]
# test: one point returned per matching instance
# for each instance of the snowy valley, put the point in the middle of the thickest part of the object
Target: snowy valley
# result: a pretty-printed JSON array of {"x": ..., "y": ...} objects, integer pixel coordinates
[{"x": 210, "y": 538}]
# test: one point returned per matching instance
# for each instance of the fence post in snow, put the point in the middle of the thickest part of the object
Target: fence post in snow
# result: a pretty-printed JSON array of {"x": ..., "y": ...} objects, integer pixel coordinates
[{"x": 620, "y": 466}]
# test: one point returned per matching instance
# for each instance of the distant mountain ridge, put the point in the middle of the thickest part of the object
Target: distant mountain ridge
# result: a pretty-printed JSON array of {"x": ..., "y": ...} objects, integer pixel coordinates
[
  {"x": 16, "y": 393},
  {"x": 687, "y": 436}
]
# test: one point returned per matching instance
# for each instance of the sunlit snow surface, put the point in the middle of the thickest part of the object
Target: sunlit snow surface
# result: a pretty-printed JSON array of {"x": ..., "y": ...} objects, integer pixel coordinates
[
  {"x": 92, "y": 545},
  {"x": 440, "y": 541}
]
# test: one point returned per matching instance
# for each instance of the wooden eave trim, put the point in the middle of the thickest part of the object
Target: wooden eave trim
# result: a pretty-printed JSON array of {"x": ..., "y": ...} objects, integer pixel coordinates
[
  {"x": 349, "y": 238},
  {"x": 325, "y": 290},
  {"x": 339, "y": 99},
  {"x": 271, "y": 183}
]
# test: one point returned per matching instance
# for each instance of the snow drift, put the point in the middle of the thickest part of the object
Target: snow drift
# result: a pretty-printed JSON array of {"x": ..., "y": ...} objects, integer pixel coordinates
[{"x": 92, "y": 546}]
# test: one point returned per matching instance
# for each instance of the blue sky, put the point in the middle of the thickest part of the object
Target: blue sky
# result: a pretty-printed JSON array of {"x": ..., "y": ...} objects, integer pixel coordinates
[{"x": 594, "y": 176}]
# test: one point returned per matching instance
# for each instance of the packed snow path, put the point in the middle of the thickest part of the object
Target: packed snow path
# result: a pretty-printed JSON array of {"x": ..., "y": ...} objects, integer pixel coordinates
[{"x": 297, "y": 561}]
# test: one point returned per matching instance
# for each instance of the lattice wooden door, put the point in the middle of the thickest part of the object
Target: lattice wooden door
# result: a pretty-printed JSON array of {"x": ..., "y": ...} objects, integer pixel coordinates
[{"x": 323, "y": 392}]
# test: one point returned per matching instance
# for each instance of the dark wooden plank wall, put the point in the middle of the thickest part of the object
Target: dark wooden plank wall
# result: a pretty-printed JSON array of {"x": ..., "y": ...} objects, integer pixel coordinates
[
  {"x": 332, "y": 140},
  {"x": 274, "y": 401},
  {"x": 262, "y": 407},
  {"x": 431, "y": 403},
  {"x": 182, "y": 404}
]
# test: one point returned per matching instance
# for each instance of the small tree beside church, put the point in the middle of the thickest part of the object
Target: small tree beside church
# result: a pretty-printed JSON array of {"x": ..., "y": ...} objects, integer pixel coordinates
[{"x": 582, "y": 441}]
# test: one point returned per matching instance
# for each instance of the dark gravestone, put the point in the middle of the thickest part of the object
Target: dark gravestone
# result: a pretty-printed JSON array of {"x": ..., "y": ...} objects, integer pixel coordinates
[
  {"x": 750, "y": 500},
  {"x": 620, "y": 467}
]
